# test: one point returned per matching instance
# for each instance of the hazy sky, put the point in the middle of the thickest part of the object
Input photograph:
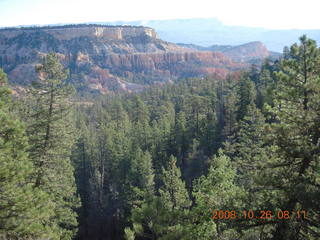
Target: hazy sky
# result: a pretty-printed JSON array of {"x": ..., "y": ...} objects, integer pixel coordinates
[{"x": 275, "y": 14}]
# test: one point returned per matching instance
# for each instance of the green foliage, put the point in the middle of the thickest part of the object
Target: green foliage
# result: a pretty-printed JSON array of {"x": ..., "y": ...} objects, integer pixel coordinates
[
  {"x": 296, "y": 133},
  {"x": 173, "y": 192},
  {"x": 162, "y": 217},
  {"x": 129, "y": 234},
  {"x": 229, "y": 108},
  {"x": 4, "y": 90},
  {"x": 23, "y": 209},
  {"x": 148, "y": 165},
  {"x": 246, "y": 93},
  {"x": 51, "y": 137},
  {"x": 216, "y": 191},
  {"x": 142, "y": 171}
]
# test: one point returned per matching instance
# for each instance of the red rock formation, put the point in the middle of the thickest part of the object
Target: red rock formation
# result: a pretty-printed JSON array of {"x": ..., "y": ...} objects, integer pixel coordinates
[{"x": 107, "y": 58}]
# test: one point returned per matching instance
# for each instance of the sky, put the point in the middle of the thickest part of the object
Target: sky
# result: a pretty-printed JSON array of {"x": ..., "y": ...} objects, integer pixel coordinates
[{"x": 270, "y": 14}]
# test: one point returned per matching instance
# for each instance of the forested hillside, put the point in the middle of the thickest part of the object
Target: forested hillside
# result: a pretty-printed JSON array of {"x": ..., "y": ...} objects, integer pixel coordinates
[{"x": 200, "y": 159}]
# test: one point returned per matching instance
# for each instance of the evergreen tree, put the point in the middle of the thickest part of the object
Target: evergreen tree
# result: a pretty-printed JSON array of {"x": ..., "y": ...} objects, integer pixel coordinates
[
  {"x": 24, "y": 210},
  {"x": 297, "y": 134},
  {"x": 163, "y": 217},
  {"x": 247, "y": 147},
  {"x": 197, "y": 163},
  {"x": 82, "y": 160},
  {"x": 139, "y": 115},
  {"x": 227, "y": 110},
  {"x": 246, "y": 93},
  {"x": 51, "y": 137},
  {"x": 161, "y": 136},
  {"x": 143, "y": 166},
  {"x": 141, "y": 176},
  {"x": 252, "y": 156},
  {"x": 215, "y": 191},
  {"x": 173, "y": 191},
  {"x": 180, "y": 138},
  {"x": 266, "y": 84}
]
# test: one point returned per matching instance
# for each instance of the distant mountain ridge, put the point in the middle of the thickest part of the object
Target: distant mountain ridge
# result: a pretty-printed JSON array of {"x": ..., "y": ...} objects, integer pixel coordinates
[
  {"x": 214, "y": 48},
  {"x": 210, "y": 31},
  {"x": 253, "y": 52}
]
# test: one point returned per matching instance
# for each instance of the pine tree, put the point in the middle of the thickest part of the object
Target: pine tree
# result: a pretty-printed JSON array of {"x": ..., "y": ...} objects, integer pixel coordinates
[
  {"x": 139, "y": 115},
  {"x": 266, "y": 84},
  {"x": 209, "y": 128},
  {"x": 227, "y": 110},
  {"x": 173, "y": 191},
  {"x": 142, "y": 171},
  {"x": 51, "y": 137},
  {"x": 215, "y": 191},
  {"x": 163, "y": 217},
  {"x": 82, "y": 160},
  {"x": 196, "y": 163},
  {"x": 252, "y": 156},
  {"x": 246, "y": 93},
  {"x": 247, "y": 147},
  {"x": 297, "y": 134},
  {"x": 24, "y": 211},
  {"x": 141, "y": 180},
  {"x": 180, "y": 138},
  {"x": 161, "y": 135}
]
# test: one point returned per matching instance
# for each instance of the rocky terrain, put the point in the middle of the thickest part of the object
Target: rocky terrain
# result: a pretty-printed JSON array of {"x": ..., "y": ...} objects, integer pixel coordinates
[{"x": 114, "y": 58}]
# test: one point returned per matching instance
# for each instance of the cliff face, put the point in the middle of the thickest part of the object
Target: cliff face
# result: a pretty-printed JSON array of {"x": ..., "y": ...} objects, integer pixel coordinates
[
  {"x": 166, "y": 66},
  {"x": 99, "y": 32},
  {"x": 106, "y": 58}
]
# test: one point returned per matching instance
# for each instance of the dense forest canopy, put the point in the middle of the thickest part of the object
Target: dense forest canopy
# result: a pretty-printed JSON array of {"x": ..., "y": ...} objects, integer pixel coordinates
[{"x": 200, "y": 159}]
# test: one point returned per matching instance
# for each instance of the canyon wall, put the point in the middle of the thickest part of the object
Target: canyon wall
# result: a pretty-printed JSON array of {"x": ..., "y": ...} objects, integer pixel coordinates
[{"x": 107, "y": 58}]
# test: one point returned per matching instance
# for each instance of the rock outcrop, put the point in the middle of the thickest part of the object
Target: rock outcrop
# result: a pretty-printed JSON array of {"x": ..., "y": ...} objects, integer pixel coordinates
[{"x": 107, "y": 58}]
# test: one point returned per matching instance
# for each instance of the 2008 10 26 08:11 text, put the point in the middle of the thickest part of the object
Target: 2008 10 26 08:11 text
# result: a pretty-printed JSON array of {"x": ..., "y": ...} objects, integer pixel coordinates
[{"x": 260, "y": 214}]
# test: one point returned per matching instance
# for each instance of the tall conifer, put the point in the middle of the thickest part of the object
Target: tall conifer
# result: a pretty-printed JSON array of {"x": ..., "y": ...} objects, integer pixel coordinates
[{"x": 51, "y": 136}]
